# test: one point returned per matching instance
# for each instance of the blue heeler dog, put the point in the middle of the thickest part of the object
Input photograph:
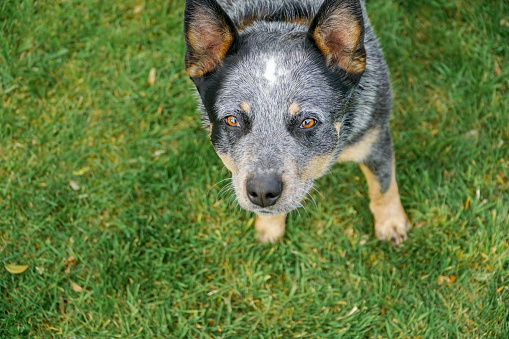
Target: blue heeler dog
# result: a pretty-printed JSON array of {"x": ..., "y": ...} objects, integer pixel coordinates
[{"x": 287, "y": 88}]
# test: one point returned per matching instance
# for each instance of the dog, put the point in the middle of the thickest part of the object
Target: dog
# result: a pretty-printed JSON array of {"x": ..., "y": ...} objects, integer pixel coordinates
[{"x": 286, "y": 89}]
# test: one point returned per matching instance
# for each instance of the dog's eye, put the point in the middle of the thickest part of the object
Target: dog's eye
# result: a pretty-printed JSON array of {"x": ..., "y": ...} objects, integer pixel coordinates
[
  {"x": 232, "y": 121},
  {"x": 308, "y": 123}
]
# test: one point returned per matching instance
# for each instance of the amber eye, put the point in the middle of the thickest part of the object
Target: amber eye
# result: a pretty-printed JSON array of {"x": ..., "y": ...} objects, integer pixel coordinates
[
  {"x": 308, "y": 123},
  {"x": 232, "y": 121}
]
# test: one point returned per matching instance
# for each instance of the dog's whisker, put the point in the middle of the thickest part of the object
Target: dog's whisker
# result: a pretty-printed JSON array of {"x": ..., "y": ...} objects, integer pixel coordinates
[
  {"x": 296, "y": 210},
  {"x": 218, "y": 184},
  {"x": 303, "y": 207},
  {"x": 226, "y": 188},
  {"x": 305, "y": 197},
  {"x": 229, "y": 190},
  {"x": 312, "y": 199},
  {"x": 231, "y": 196},
  {"x": 236, "y": 201},
  {"x": 317, "y": 191}
]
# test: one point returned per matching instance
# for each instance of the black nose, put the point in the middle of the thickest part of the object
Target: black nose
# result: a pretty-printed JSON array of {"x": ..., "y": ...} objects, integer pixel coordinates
[{"x": 264, "y": 190}]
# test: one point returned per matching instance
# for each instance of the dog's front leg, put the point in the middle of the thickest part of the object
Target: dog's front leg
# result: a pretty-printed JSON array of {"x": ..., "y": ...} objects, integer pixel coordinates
[
  {"x": 270, "y": 228},
  {"x": 391, "y": 221}
]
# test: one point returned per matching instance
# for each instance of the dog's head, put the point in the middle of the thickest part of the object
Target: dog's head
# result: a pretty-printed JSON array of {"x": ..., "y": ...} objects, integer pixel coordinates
[{"x": 274, "y": 95}]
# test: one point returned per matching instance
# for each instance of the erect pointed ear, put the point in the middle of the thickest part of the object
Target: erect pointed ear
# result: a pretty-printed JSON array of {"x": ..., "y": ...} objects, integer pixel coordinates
[
  {"x": 338, "y": 31},
  {"x": 209, "y": 33}
]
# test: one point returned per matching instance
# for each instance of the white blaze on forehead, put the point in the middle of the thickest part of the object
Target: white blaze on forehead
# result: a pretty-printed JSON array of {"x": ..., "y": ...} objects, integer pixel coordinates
[{"x": 270, "y": 71}]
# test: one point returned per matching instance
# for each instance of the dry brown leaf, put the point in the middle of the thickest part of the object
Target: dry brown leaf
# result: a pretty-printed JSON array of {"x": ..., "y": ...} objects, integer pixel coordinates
[
  {"x": 15, "y": 269},
  {"x": 497, "y": 69},
  {"x": 74, "y": 185},
  {"x": 76, "y": 288},
  {"x": 420, "y": 224},
  {"x": 441, "y": 279},
  {"x": 467, "y": 203},
  {"x": 151, "y": 77},
  {"x": 449, "y": 279},
  {"x": 72, "y": 261},
  {"x": 61, "y": 305}
]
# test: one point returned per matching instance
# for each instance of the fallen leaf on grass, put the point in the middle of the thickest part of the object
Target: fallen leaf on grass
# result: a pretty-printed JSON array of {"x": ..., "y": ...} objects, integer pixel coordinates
[
  {"x": 74, "y": 185},
  {"x": 158, "y": 153},
  {"x": 15, "y": 269},
  {"x": 81, "y": 171},
  {"x": 420, "y": 224},
  {"x": 138, "y": 9},
  {"x": 71, "y": 261},
  {"x": 61, "y": 305},
  {"x": 76, "y": 288},
  {"x": 449, "y": 279},
  {"x": 467, "y": 203},
  {"x": 497, "y": 69},
  {"x": 151, "y": 77}
]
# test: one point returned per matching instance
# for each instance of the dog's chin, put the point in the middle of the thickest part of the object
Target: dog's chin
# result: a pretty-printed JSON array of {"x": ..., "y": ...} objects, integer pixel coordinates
[{"x": 269, "y": 211}]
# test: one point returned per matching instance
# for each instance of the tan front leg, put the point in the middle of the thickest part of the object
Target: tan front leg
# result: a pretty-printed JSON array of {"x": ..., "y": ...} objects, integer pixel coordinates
[
  {"x": 391, "y": 221},
  {"x": 270, "y": 228}
]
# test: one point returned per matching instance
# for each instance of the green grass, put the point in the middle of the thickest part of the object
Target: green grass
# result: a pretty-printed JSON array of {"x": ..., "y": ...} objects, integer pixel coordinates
[{"x": 157, "y": 256}]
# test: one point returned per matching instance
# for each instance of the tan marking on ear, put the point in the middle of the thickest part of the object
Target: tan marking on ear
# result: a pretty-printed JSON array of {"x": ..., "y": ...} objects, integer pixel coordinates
[
  {"x": 210, "y": 132},
  {"x": 228, "y": 162},
  {"x": 338, "y": 39},
  {"x": 361, "y": 149},
  {"x": 391, "y": 221},
  {"x": 294, "y": 108},
  {"x": 270, "y": 228},
  {"x": 337, "y": 125},
  {"x": 195, "y": 71},
  {"x": 209, "y": 42},
  {"x": 245, "y": 107},
  {"x": 317, "y": 166}
]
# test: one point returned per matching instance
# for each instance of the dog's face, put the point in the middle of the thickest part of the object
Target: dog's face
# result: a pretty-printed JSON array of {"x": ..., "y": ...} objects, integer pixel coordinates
[
  {"x": 273, "y": 101},
  {"x": 274, "y": 126}
]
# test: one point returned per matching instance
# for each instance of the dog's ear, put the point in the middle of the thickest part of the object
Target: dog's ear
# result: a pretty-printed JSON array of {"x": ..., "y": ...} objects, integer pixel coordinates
[
  {"x": 209, "y": 34},
  {"x": 338, "y": 31}
]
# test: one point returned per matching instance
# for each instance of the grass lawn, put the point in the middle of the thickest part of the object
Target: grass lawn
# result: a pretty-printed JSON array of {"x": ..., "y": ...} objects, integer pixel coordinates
[{"x": 104, "y": 188}]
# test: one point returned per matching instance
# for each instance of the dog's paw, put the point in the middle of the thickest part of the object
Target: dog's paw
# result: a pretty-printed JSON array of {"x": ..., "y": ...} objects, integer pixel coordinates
[
  {"x": 393, "y": 228},
  {"x": 270, "y": 228}
]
